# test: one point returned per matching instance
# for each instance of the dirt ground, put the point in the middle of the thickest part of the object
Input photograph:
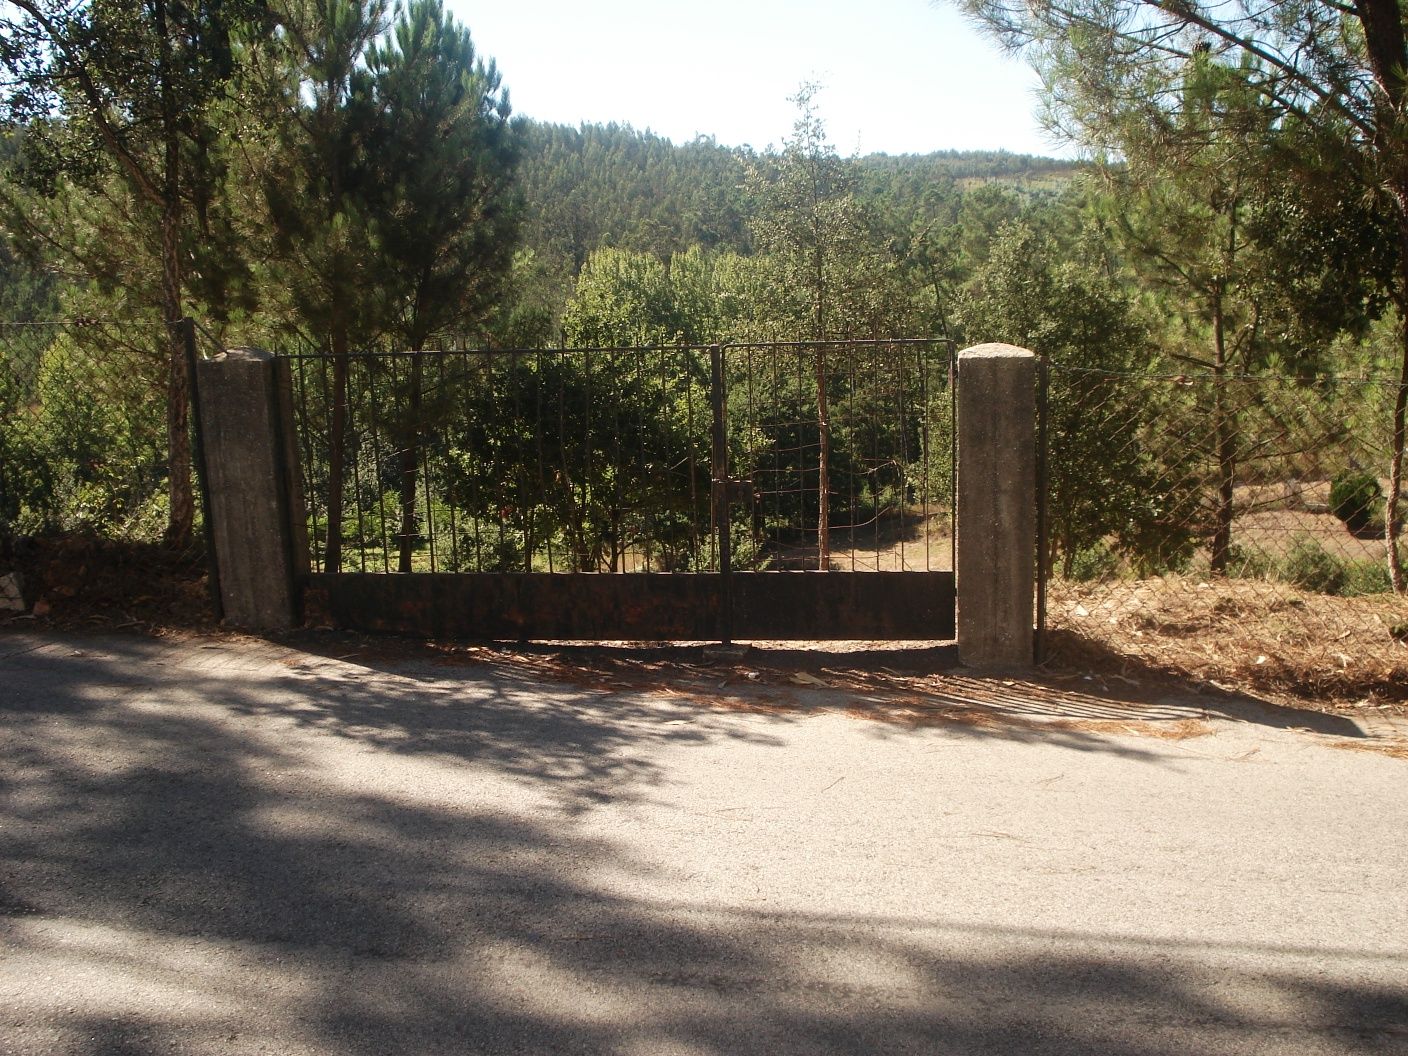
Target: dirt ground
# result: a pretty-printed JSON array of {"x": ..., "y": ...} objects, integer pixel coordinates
[{"x": 1243, "y": 635}]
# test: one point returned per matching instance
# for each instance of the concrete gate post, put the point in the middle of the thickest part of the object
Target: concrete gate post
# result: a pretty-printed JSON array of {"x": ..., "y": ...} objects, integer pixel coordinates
[
  {"x": 246, "y": 419},
  {"x": 996, "y": 506}
]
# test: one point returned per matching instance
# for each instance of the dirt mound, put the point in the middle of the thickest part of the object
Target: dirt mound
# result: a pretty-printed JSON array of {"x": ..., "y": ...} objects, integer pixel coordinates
[{"x": 1244, "y": 635}]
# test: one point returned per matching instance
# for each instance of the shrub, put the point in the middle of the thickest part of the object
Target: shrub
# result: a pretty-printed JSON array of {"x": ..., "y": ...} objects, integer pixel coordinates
[
  {"x": 1309, "y": 567},
  {"x": 1355, "y": 498},
  {"x": 1091, "y": 563},
  {"x": 1367, "y": 576},
  {"x": 1250, "y": 562}
]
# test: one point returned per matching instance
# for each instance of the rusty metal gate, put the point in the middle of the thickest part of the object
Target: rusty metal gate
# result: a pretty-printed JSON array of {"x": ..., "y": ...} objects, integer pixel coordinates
[{"x": 783, "y": 490}]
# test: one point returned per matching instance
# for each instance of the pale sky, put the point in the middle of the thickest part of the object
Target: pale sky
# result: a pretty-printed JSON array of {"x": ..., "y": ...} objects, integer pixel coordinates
[{"x": 898, "y": 76}]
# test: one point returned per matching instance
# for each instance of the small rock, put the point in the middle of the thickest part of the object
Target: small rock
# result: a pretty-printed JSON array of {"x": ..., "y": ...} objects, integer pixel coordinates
[
  {"x": 12, "y": 593},
  {"x": 42, "y": 608}
]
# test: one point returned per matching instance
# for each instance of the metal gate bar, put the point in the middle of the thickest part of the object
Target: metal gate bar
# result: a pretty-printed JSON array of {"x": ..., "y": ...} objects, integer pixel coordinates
[
  {"x": 589, "y": 493},
  {"x": 585, "y": 606}
]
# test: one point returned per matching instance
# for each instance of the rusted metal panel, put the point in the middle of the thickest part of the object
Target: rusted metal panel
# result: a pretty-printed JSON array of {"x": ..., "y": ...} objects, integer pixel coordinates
[
  {"x": 518, "y": 606},
  {"x": 679, "y": 607},
  {"x": 878, "y": 606}
]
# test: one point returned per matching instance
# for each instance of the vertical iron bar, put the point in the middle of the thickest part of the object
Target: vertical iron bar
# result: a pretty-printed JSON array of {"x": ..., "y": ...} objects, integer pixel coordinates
[
  {"x": 752, "y": 467},
  {"x": 495, "y": 401},
  {"x": 476, "y": 503},
  {"x": 324, "y": 361},
  {"x": 902, "y": 425},
  {"x": 681, "y": 366},
  {"x": 851, "y": 475},
  {"x": 442, "y": 391},
  {"x": 1043, "y": 389},
  {"x": 925, "y": 355},
  {"x": 779, "y": 490},
  {"x": 377, "y": 452},
  {"x": 648, "y": 524},
  {"x": 424, "y": 445},
  {"x": 525, "y": 516},
  {"x": 693, "y": 467},
  {"x": 306, "y": 453},
  {"x": 719, "y": 398},
  {"x": 587, "y": 490},
  {"x": 618, "y": 514},
  {"x": 953, "y": 383},
  {"x": 357, "y": 473},
  {"x": 188, "y": 339},
  {"x": 539, "y": 493}
]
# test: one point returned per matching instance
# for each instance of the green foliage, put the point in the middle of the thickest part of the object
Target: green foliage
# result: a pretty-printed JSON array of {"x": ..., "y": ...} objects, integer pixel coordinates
[
  {"x": 81, "y": 447},
  {"x": 609, "y": 185},
  {"x": 1104, "y": 481},
  {"x": 1356, "y": 499},
  {"x": 1250, "y": 562},
  {"x": 1307, "y": 565},
  {"x": 1093, "y": 563},
  {"x": 597, "y": 476},
  {"x": 440, "y": 160},
  {"x": 835, "y": 277},
  {"x": 1366, "y": 577}
]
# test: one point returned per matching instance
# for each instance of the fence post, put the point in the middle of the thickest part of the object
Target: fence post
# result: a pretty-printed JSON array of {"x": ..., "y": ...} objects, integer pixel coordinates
[
  {"x": 996, "y": 506},
  {"x": 246, "y": 418}
]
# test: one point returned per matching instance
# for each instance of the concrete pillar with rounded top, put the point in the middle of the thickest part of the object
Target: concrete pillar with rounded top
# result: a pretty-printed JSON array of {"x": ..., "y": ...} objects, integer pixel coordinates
[
  {"x": 245, "y": 406},
  {"x": 996, "y": 506}
]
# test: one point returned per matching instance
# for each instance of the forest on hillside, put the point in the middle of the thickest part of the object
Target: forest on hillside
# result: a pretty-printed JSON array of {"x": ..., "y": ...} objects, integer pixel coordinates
[{"x": 340, "y": 177}]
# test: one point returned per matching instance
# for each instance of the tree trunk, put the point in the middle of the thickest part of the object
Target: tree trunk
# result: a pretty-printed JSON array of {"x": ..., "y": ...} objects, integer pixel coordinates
[
  {"x": 823, "y": 416},
  {"x": 823, "y": 466},
  {"x": 1225, "y": 430},
  {"x": 181, "y": 515},
  {"x": 410, "y": 460},
  {"x": 1392, "y": 510}
]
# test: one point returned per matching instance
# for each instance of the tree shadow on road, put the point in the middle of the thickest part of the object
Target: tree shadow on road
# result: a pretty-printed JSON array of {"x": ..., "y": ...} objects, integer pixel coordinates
[{"x": 177, "y": 871}]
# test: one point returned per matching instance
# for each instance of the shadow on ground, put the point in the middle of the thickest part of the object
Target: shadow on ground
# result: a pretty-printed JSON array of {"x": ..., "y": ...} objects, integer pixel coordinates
[
  {"x": 917, "y": 685},
  {"x": 176, "y": 874}
]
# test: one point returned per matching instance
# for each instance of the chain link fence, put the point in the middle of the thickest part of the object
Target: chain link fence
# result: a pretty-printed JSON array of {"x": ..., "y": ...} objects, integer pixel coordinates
[{"x": 1229, "y": 527}]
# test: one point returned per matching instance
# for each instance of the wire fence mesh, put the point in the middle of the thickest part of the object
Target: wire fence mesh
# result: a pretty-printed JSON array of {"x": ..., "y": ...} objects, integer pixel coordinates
[
  {"x": 83, "y": 435},
  {"x": 1227, "y": 526},
  {"x": 606, "y": 460}
]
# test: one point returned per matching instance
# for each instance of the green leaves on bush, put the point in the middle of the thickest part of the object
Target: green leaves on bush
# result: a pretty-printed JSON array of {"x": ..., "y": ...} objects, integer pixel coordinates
[
  {"x": 1309, "y": 567},
  {"x": 1355, "y": 498}
]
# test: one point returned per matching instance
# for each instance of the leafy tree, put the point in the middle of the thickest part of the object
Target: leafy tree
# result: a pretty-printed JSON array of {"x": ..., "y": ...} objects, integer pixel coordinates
[
  {"x": 1335, "y": 73},
  {"x": 626, "y": 299},
  {"x": 1070, "y": 311},
  {"x": 113, "y": 88},
  {"x": 443, "y": 207},
  {"x": 1211, "y": 224},
  {"x": 833, "y": 277},
  {"x": 313, "y": 169},
  {"x": 622, "y": 299},
  {"x": 568, "y": 477}
]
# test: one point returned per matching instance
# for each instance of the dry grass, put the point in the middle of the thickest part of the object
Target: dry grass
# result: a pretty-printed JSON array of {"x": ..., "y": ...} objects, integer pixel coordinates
[
  {"x": 1392, "y": 749},
  {"x": 1243, "y": 635}
]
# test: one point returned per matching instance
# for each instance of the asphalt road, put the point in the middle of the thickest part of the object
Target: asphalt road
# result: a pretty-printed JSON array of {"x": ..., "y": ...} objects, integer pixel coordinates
[{"x": 233, "y": 847}]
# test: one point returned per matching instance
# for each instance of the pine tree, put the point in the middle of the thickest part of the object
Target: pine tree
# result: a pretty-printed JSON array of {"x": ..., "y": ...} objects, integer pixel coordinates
[
  {"x": 110, "y": 88},
  {"x": 444, "y": 206}
]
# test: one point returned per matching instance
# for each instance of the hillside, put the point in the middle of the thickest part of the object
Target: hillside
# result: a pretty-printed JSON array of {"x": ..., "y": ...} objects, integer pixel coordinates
[{"x": 614, "y": 185}]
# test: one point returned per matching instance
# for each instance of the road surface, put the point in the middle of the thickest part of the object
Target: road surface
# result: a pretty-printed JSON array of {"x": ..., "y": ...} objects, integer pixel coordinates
[{"x": 226, "y": 846}]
